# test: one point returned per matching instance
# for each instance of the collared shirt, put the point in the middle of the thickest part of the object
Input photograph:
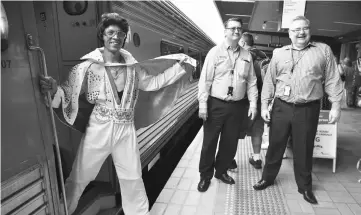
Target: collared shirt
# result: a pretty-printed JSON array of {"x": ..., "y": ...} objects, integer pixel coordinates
[
  {"x": 350, "y": 77},
  {"x": 357, "y": 67},
  {"x": 258, "y": 56},
  {"x": 315, "y": 71},
  {"x": 216, "y": 76}
]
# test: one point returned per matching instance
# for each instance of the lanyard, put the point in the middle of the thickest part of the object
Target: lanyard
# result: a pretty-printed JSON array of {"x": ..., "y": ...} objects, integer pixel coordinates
[
  {"x": 233, "y": 64},
  {"x": 293, "y": 62}
]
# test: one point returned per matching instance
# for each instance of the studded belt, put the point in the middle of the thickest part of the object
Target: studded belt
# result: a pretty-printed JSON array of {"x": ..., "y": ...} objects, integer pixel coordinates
[{"x": 118, "y": 115}]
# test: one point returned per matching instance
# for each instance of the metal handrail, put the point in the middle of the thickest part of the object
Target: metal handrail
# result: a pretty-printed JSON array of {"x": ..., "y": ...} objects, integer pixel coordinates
[
  {"x": 358, "y": 167},
  {"x": 31, "y": 46}
]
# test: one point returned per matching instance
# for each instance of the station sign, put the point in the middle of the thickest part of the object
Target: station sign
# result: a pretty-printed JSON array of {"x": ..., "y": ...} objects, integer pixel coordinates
[
  {"x": 291, "y": 9},
  {"x": 326, "y": 138}
]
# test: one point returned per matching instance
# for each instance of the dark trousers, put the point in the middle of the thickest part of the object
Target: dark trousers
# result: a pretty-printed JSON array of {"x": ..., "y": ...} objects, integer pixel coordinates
[
  {"x": 301, "y": 122},
  {"x": 224, "y": 118}
]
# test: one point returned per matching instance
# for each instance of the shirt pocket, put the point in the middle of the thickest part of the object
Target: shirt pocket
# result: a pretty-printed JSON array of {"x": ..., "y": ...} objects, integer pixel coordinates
[
  {"x": 284, "y": 67},
  {"x": 281, "y": 83},
  {"x": 243, "y": 69},
  {"x": 221, "y": 64},
  {"x": 315, "y": 71},
  {"x": 220, "y": 60}
]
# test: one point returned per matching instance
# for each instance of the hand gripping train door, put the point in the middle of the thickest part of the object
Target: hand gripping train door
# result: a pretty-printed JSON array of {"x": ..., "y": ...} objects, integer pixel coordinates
[{"x": 32, "y": 47}]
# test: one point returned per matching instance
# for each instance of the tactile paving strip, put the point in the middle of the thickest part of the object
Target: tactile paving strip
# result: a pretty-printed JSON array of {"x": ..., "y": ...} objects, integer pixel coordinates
[{"x": 242, "y": 199}]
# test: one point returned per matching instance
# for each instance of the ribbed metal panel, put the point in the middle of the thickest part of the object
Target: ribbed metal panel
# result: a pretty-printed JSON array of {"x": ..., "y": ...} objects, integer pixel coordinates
[
  {"x": 154, "y": 137},
  {"x": 24, "y": 194}
]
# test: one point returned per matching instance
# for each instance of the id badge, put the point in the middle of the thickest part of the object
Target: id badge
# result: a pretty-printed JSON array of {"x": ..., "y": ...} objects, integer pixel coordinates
[
  {"x": 230, "y": 91},
  {"x": 287, "y": 91}
]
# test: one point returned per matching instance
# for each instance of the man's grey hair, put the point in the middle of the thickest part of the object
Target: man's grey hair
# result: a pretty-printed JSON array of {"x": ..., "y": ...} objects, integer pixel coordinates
[{"x": 301, "y": 18}]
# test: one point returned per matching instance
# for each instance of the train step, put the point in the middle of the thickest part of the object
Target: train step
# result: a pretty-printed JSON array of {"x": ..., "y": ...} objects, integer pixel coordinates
[{"x": 99, "y": 200}]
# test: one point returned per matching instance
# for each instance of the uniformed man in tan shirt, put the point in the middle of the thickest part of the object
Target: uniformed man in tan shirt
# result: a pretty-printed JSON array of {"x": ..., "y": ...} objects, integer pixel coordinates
[{"x": 227, "y": 76}]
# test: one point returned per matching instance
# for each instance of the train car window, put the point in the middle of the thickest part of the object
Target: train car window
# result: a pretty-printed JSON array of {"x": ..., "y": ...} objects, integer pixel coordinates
[
  {"x": 192, "y": 52},
  {"x": 136, "y": 39},
  {"x": 75, "y": 8},
  {"x": 4, "y": 27},
  {"x": 197, "y": 71},
  {"x": 167, "y": 48},
  {"x": 203, "y": 58},
  {"x": 196, "y": 55}
]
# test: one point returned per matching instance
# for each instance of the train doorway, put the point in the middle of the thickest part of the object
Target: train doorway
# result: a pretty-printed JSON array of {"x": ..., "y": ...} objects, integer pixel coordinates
[{"x": 28, "y": 178}]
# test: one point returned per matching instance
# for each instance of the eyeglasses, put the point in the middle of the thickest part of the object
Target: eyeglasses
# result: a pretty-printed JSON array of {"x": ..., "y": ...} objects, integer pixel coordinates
[
  {"x": 111, "y": 33},
  {"x": 298, "y": 30},
  {"x": 234, "y": 29}
]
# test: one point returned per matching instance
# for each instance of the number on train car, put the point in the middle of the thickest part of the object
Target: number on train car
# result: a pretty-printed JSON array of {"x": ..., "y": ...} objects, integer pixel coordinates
[{"x": 5, "y": 64}]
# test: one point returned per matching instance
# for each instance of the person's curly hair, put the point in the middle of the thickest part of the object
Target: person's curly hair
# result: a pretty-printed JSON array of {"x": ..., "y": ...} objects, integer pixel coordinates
[{"x": 108, "y": 19}]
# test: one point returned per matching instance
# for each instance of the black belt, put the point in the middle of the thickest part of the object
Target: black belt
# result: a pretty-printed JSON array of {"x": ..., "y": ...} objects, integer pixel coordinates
[
  {"x": 229, "y": 101},
  {"x": 299, "y": 104}
]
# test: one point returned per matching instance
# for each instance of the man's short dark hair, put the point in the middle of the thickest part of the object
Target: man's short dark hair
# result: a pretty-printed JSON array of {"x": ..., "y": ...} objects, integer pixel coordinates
[
  {"x": 108, "y": 19},
  {"x": 248, "y": 38},
  {"x": 235, "y": 19}
]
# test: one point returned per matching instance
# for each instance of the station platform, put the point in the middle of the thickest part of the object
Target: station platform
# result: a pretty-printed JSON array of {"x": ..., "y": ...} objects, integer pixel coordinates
[{"x": 337, "y": 193}]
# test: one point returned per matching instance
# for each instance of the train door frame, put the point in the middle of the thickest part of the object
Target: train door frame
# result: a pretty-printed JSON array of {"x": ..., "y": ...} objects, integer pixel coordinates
[
  {"x": 45, "y": 158},
  {"x": 30, "y": 27},
  {"x": 51, "y": 39}
]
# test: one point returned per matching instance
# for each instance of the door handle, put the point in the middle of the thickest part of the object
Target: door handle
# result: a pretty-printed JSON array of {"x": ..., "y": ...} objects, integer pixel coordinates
[
  {"x": 32, "y": 47},
  {"x": 358, "y": 166}
]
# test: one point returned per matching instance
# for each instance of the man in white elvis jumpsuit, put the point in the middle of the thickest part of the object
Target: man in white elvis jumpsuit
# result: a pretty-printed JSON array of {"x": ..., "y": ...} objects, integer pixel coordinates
[{"x": 109, "y": 80}]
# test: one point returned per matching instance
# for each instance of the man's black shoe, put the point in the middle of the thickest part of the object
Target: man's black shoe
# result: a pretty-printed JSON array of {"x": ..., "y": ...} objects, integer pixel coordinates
[
  {"x": 308, "y": 196},
  {"x": 233, "y": 166},
  {"x": 256, "y": 164},
  {"x": 203, "y": 184},
  {"x": 225, "y": 178},
  {"x": 262, "y": 184}
]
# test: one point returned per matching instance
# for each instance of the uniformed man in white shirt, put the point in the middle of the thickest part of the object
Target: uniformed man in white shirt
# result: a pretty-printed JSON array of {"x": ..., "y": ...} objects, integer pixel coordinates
[{"x": 227, "y": 76}]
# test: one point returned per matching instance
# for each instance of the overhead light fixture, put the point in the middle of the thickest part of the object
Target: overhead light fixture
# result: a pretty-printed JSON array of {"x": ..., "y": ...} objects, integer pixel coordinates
[
  {"x": 347, "y": 23},
  {"x": 230, "y": 14},
  {"x": 327, "y": 29}
]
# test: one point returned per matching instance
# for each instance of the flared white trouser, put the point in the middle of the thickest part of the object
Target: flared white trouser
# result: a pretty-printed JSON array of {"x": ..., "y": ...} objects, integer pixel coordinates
[{"x": 100, "y": 140}]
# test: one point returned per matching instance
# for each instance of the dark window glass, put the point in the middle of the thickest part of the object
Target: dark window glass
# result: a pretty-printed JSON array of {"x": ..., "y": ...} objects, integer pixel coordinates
[{"x": 167, "y": 48}]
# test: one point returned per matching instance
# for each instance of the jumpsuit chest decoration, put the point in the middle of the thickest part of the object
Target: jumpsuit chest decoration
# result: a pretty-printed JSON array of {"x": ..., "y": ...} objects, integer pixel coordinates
[{"x": 109, "y": 110}]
